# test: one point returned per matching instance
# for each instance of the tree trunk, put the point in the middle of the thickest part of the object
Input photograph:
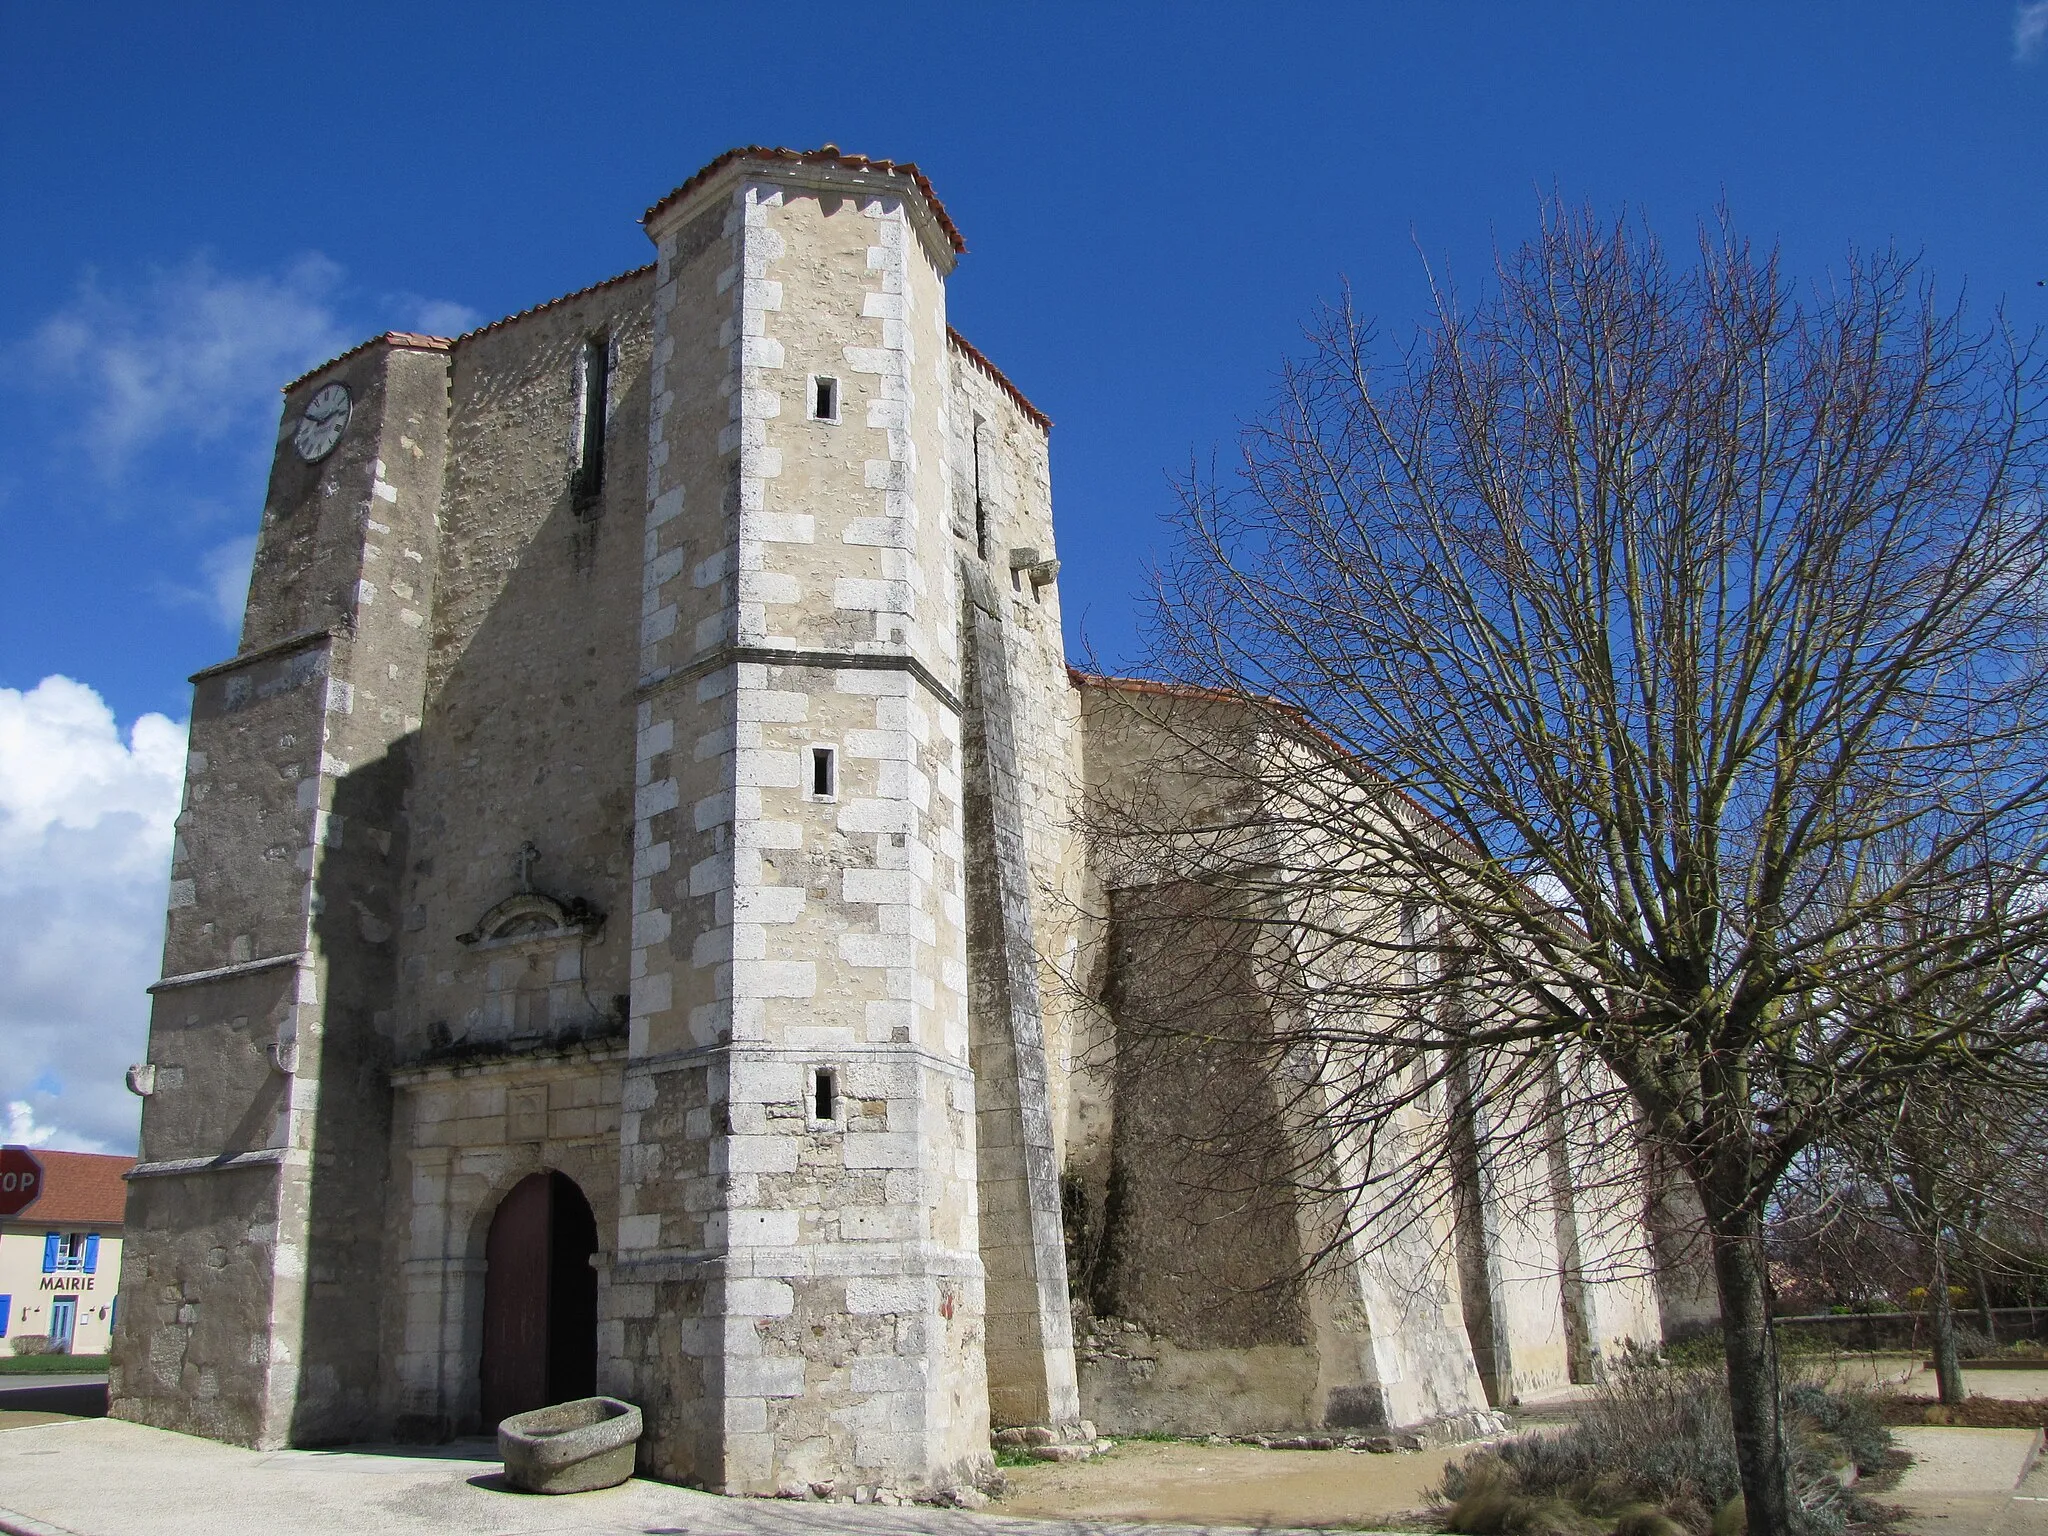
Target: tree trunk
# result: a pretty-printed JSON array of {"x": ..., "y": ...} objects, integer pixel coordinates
[
  {"x": 1941, "y": 1323},
  {"x": 1754, "y": 1398},
  {"x": 1973, "y": 1251}
]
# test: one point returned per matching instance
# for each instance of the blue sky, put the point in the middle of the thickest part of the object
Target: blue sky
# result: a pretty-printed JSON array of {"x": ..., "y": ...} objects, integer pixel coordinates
[{"x": 198, "y": 202}]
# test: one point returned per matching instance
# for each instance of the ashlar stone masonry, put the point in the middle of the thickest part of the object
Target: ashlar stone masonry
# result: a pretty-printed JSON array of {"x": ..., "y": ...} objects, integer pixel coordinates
[{"x": 644, "y": 801}]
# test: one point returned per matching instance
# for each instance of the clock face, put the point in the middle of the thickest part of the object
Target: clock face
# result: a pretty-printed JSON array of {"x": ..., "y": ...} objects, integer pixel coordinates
[{"x": 321, "y": 427}]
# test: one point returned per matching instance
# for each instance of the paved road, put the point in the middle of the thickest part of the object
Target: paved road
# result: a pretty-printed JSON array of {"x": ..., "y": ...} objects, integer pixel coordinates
[
  {"x": 102, "y": 1477},
  {"x": 1970, "y": 1480}
]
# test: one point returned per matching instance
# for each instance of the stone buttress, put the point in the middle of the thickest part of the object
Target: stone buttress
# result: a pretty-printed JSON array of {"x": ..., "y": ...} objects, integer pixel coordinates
[{"x": 254, "y": 1218}]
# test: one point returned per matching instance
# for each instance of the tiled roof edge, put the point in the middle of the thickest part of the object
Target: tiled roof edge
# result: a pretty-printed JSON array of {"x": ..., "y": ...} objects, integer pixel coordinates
[
  {"x": 411, "y": 341},
  {"x": 523, "y": 314},
  {"x": 827, "y": 155},
  {"x": 414, "y": 341},
  {"x": 1002, "y": 380}
]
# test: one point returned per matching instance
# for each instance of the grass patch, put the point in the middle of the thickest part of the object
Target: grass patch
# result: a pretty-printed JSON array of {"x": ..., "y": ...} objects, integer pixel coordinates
[
  {"x": 51, "y": 1365},
  {"x": 1709, "y": 1349},
  {"x": 1016, "y": 1456},
  {"x": 1653, "y": 1454}
]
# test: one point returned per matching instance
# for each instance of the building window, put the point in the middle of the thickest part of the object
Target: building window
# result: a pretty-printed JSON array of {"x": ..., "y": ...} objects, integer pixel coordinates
[
  {"x": 593, "y": 391},
  {"x": 824, "y": 1095},
  {"x": 7, "y": 1313},
  {"x": 980, "y": 504},
  {"x": 824, "y": 398},
  {"x": 824, "y": 773},
  {"x": 71, "y": 1253}
]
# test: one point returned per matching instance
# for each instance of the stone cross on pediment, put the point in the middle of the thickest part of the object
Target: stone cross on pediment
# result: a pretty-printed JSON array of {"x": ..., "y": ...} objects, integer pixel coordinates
[{"x": 522, "y": 867}]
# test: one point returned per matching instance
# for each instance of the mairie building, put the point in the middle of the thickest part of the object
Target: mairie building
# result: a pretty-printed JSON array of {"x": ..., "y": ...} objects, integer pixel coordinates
[
  {"x": 60, "y": 1254},
  {"x": 625, "y": 915}
]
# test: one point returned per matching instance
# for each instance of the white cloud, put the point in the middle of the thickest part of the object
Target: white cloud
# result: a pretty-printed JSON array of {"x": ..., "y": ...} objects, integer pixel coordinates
[
  {"x": 194, "y": 354},
  {"x": 22, "y": 1130},
  {"x": 189, "y": 353},
  {"x": 86, "y": 820},
  {"x": 226, "y": 569},
  {"x": 2029, "y": 29},
  {"x": 222, "y": 583},
  {"x": 442, "y": 317}
]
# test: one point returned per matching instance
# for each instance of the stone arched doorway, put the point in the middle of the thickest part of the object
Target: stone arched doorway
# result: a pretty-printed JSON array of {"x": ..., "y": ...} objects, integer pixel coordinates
[{"x": 540, "y": 1298}]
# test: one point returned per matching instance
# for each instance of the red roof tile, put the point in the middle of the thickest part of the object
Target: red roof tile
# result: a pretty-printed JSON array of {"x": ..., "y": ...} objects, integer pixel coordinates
[
  {"x": 623, "y": 277},
  {"x": 409, "y": 340},
  {"x": 826, "y": 155},
  {"x": 81, "y": 1187},
  {"x": 419, "y": 343},
  {"x": 1002, "y": 380}
]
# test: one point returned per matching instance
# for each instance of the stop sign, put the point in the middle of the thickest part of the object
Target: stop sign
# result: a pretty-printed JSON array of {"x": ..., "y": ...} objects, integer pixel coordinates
[{"x": 21, "y": 1179}]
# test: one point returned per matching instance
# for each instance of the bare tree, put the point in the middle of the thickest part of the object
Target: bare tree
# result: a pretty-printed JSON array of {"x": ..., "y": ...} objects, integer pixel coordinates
[
  {"x": 1609, "y": 636},
  {"x": 1944, "y": 1171}
]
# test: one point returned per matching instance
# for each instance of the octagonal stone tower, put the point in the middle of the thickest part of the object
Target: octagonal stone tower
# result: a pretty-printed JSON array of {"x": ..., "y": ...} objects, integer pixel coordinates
[{"x": 798, "y": 793}]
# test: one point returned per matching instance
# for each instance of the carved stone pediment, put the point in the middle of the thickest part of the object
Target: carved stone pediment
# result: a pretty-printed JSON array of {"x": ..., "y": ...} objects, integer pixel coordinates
[
  {"x": 527, "y": 916},
  {"x": 530, "y": 916}
]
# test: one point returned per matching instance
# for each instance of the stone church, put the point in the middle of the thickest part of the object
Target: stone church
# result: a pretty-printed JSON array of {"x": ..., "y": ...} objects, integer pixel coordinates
[{"x": 619, "y": 911}]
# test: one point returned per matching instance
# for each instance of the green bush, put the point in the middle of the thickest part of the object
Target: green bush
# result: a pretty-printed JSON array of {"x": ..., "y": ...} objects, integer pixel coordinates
[{"x": 1653, "y": 1454}]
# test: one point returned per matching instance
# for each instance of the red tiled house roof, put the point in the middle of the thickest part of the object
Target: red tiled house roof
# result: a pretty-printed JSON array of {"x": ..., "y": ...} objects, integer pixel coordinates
[{"x": 83, "y": 1187}]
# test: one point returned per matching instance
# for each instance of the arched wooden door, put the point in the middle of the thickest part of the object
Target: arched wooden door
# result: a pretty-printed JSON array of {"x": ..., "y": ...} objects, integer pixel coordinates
[{"x": 540, "y": 1298}]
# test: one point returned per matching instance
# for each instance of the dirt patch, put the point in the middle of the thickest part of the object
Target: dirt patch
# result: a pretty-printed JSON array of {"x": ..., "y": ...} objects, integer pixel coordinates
[
  {"x": 1970, "y": 1413},
  {"x": 1197, "y": 1484}
]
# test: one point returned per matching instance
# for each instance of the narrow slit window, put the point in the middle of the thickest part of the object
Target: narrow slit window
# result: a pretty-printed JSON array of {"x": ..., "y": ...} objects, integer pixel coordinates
[
  {"x": 823, "y": 772},
  {"x": 980, "y": 506},
  {"x": 592, "y": 385},
  {"x": 824, "y": 1094},
  {"x": 824, "y": 398}
]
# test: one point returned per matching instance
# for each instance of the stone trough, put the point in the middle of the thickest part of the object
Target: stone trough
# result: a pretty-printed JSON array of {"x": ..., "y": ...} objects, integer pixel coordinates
[{"x": 570, "y": 1447}]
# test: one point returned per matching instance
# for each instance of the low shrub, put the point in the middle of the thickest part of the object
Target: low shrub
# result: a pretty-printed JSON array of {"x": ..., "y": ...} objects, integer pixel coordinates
[
  {"x": 33, "y": 1344},
  {"x": 1653, "y": 1454}
]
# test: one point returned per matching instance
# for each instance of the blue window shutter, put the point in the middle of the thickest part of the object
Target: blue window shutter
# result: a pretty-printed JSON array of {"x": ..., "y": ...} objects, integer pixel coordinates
[
  {"x": 50, "y": 1253},
  {"x": 92, "y": 1252},
  {"x": 6, "y": 1312}
]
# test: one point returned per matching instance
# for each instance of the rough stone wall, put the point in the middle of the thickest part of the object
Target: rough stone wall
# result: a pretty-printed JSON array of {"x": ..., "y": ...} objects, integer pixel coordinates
[
  {"x": 1512, "y": 1269},
  {"x": 1603, "y": 1183},
  {"x": 260, "y": 1196},
  {"x": 1374, "y": 1336},
  {"x": 524, "y": 740},
  {"x": 527, "y": 737},
  {"x": 1201, "y": 1243},
  {"x": 1688, "y": 1299},
  {"x": 1000, "y": 467},
  {"x": 798, "y": 595},
  {"x": 1029, "y": 1345},
  {"x": 1197, "y": 1271}
]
